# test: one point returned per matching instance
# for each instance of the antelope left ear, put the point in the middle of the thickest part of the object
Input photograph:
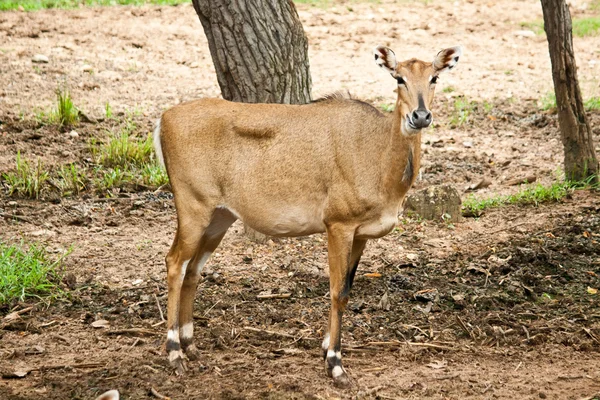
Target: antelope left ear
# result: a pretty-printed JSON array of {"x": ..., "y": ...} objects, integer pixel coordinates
[
  {"x": 447, "y": 59},
  {"x": 385, "y": 58}
]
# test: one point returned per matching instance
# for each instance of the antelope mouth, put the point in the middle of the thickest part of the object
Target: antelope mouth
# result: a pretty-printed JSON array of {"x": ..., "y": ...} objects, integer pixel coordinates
[{"x": 409, "y": 127}]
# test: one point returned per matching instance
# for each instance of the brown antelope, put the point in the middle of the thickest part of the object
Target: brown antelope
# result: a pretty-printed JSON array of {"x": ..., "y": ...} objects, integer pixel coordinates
[{"x": 337, "y": 165}]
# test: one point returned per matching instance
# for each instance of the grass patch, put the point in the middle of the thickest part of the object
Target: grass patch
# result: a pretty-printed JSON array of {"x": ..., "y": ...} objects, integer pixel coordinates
[
  {"x": 123, "y": 150},
  {"x": 531, "y": 195},
  {"x": 126, "y": 159},
  {"x": 548, "y": 102},
  {"x": 71, "y": 180},
  {"x": 581, "y": 26},
  {"x": 27, "y": 180},
  {"x": 28, "y": 272},
  {"x": 32, "y": 5},
  {"x": 461, "y": 112},
  {"x": 66, "y": 114}
]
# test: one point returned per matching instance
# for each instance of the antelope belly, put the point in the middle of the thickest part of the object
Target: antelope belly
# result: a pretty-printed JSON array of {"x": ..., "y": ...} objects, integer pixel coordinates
[
  {"x": 378, "y": 227},
  {"x": 292, "y": 221}
]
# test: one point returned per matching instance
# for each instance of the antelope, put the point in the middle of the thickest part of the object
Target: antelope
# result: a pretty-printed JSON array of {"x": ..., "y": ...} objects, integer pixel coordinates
[{"x": 337, "y": 165}]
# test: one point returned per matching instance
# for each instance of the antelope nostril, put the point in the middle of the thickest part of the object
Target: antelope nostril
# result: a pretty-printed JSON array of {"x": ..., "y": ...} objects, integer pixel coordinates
[
  {"x": 428, "y": 117},
  {"x": 415, "y": 116}
]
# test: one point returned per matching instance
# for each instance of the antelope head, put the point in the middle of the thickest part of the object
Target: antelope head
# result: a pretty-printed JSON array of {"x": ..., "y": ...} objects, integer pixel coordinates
[{"x": 416, "y": 84}]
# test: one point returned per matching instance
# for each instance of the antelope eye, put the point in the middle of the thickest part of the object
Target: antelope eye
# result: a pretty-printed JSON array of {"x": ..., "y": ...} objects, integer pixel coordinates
[
  {"x": 400, "y": 80},
  {"x": 434, "y": 80}
]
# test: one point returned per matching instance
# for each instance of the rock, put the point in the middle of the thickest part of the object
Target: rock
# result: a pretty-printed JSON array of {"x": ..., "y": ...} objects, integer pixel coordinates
[
  {"x": 482, "y": 184},
  {"x": 73, "y": 134},
  {"x": 87, "y": 68},
  {"x": 40, "y": 59},
  {"x": 101, "y": 323},
  {"x": 525, "y": 33},
  {"x": 435, "y": 203},
  {"x": 12, "y": 204},
  {"x": 42, "y": 232}
]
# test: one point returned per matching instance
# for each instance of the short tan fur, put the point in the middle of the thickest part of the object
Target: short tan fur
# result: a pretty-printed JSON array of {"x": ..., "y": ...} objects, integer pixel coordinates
[{"x": 337, "y": 165}]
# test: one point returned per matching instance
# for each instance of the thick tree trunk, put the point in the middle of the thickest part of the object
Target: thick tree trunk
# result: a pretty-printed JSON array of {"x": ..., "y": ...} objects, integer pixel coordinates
[
  {"x": 580, "y": 157},
  {"x": 260, "y": 53},
  {"x": 259, "y": 50}
]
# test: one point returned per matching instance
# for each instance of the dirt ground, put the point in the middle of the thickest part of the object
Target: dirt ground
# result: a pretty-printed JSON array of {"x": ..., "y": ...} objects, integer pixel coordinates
[{"x": 495, "y": 307}]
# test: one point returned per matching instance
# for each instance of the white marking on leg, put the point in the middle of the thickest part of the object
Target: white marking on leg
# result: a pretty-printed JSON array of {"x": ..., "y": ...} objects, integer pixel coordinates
[
  {"x": 337, "y": 371},
  {"x": 202, "y": 262},
  {"x": 184, "y": 268},
  {"x": 331, "y": 354},
  {"x": 187, "y": 330},
  {"x": 338, "y": 355},
  {"x": 173, "y": 335},
  {"x": 325, "y": 344}
]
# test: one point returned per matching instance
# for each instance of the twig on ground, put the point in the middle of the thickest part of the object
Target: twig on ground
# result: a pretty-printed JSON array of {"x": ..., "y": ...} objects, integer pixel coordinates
[
  {"x": 285, "y": 335},
  {"x": 17, "y": 217},
  {"x": 162, "y": 317},
  {"x": 464, "y": 326},
  {"x": 213, "y": 306},
  {"x": 273, "y": 296},
  {"x": 132, "y": 331},
  {"x": 155, "y": 393}
]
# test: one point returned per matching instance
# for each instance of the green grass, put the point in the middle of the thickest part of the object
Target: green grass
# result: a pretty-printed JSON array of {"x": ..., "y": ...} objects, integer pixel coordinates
[
  {"x": 26, "y": 180},
  {"x": 530, "y": 195},
  {"x": 66, "y": 113},
  {"x": 71, "y": 180},
  {"x": 581, "y": 26},
  {"x": 126, "y": 159},
  {"x": 123, "y": 150},
  {"x": 548, "y": 102},
  {"x": 462, "y": 110},
  {"x": 32, "y": 5},
  {"x": 28, "y": 272}
]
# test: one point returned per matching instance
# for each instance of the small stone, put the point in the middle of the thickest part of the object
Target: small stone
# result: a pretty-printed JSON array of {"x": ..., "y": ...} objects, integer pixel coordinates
[
  {"x": 12, "y": 203},
  {"x": 73, "y": 134},
  {"x": 531, "y": 66},
  {"x": 525, "y": 33},
  {"x": 468, "y": 144},
  {"x": 42, "y": 232},
  {"x": 87, "y": 68},
  {"x": 194, "y": 65},
  {"x": 101, "y": 323},
  {"x": 40, "y": 59}
]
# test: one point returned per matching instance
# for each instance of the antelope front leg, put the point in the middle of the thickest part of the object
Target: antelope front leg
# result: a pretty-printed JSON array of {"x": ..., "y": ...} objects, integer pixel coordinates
[{"x": 344, "y": 253}]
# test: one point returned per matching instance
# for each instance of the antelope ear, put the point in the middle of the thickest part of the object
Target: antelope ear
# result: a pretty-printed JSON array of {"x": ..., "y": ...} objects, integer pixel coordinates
[
  {"x": 385, "y": 58},
  {"x": 447, "y": 59}
]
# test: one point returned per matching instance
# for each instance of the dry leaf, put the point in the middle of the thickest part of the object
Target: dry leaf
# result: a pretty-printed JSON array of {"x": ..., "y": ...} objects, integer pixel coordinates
[
  {"x": 591, "y": 290},
  {"x": 373, "y": 275}
]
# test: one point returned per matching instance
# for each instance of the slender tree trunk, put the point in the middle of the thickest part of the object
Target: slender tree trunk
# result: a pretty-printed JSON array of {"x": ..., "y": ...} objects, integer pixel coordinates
[
  {"x": 580, "y": 157},
  {"x": 260, "y": 53}
]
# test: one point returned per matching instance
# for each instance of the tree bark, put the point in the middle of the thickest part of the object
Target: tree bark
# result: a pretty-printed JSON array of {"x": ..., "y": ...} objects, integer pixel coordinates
[
  {"x": 580, "y": 157},
  {"x": 259, "y": 50},
  {"x": 260, "y": 53}
]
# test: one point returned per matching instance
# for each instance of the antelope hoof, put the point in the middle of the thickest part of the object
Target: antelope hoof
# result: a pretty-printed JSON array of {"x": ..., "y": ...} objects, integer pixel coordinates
[
  {"x": 176, "y": 358},
  {"x": 340, "y": 377},
  {"x": 192, "y": 352}
]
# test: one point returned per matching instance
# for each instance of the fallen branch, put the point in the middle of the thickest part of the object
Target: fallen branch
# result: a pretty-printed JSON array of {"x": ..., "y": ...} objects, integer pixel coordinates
[
  {"x": 273, "y": 296},
  {"x": 17, "y": 217},
  {"x": 132, "y": 331},
  {"x": 162, "y": 317},
  {"x": 285, "y": 335},
  {"x": 400, "y": 344}
]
